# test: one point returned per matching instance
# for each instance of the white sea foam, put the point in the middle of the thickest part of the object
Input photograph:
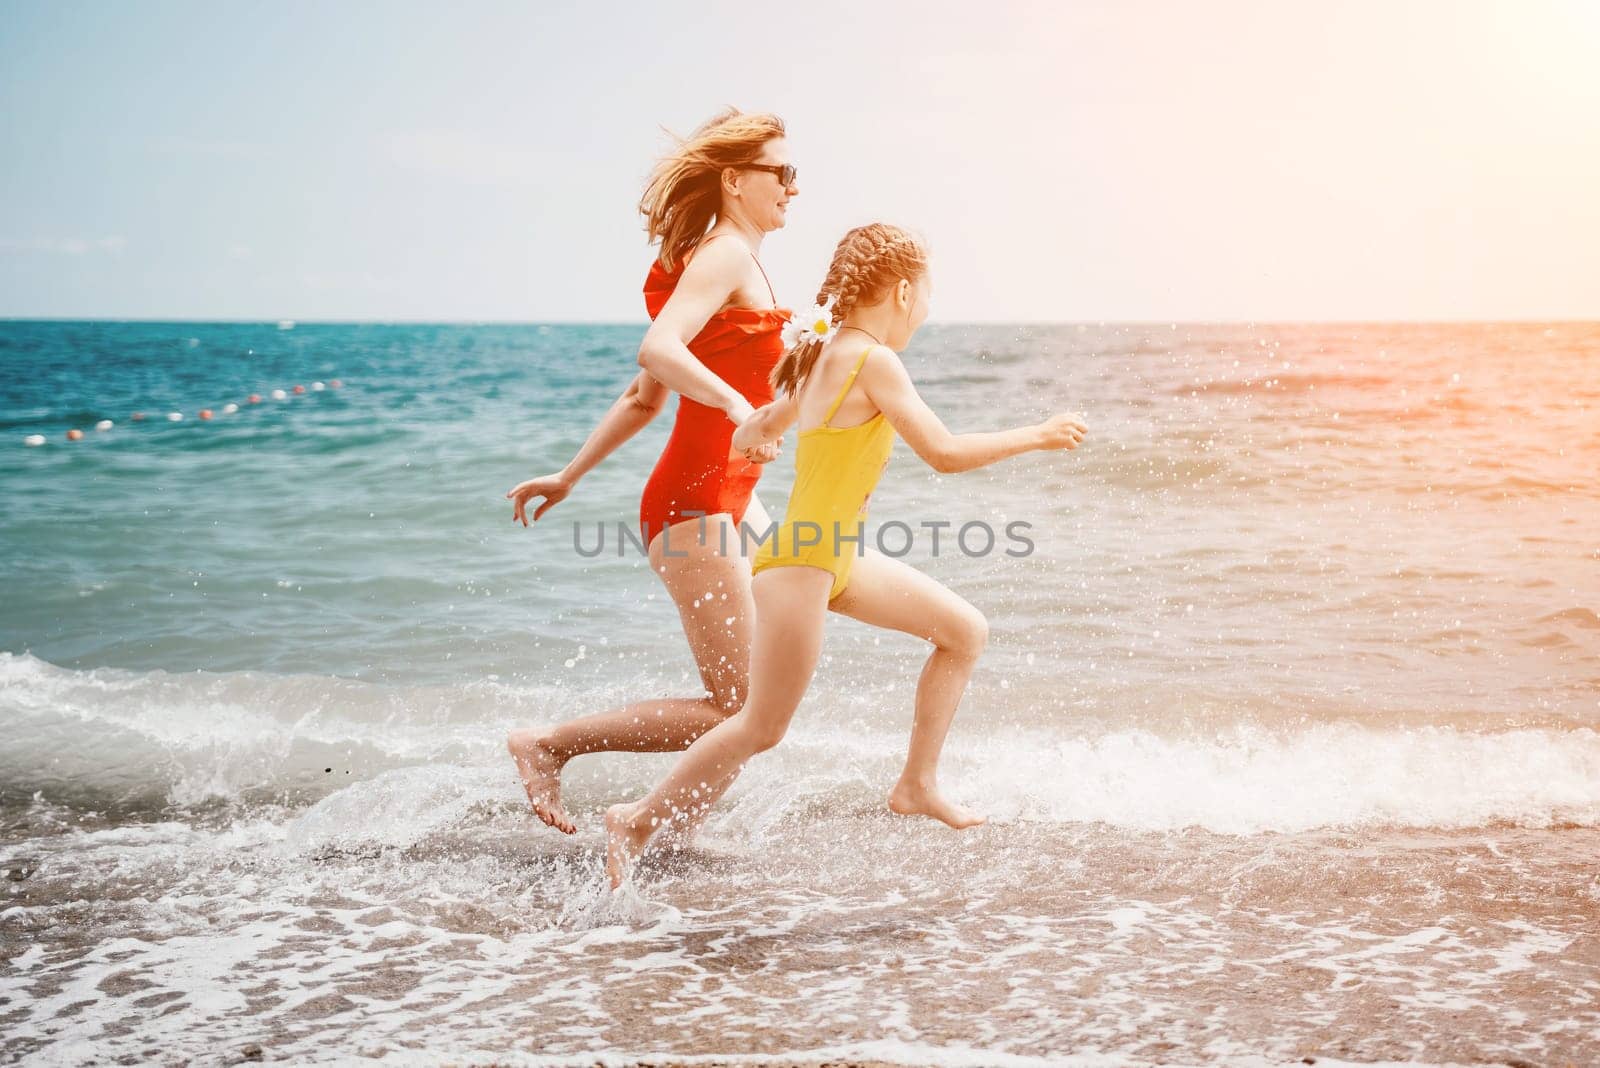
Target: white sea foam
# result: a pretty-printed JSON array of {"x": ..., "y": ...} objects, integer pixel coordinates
[{"x": 395, "y": 763}]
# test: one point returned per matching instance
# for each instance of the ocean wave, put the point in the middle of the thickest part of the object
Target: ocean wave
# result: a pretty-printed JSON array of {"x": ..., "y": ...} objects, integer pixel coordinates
[
  {"x": 428, "y": 758},
  {"x": 1284, "y": 383},
  {"x": 1577, "y": 616},
  {"x": 109, "y": 737}
]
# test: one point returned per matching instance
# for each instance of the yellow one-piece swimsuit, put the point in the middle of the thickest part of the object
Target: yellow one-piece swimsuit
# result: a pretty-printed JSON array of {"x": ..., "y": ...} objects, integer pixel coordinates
[{"x": 836, "y": 470}]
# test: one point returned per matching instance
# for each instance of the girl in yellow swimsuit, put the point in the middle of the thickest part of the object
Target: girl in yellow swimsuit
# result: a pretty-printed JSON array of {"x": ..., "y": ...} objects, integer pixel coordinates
[
  {"x": 851, "y": 395},
  {"x": 836, "y": 469}
]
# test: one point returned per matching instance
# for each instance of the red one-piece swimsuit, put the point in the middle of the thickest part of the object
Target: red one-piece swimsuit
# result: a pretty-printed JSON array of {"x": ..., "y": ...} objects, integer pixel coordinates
[{"x": 699, "y": 471}]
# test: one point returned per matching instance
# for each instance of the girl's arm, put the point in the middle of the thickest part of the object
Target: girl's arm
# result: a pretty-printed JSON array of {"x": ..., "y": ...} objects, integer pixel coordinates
[
  {"x": 889, "y": 387},
  {"x": 710, "y": 278},
  {"x": 641, "y": 402},
  {"x": 767, "y": 423}
]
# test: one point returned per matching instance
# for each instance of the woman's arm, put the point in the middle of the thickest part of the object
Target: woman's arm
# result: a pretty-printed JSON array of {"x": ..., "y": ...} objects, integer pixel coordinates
[
  {"x": 767, "y": 423},
  {"x": 888, "y": 386},
  {"x": 710, "y": 278},
  {"x": 641, "y": 402}
]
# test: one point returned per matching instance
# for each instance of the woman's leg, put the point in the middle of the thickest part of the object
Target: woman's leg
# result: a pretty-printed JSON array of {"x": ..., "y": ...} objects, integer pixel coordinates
[
  {"x": 791, "y": 606},
  {"x": 888, "y": 593},
  {"x": 712, "y": 592}
]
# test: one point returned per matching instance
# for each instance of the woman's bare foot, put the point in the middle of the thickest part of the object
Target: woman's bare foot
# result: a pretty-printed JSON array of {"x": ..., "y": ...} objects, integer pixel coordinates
[
  {"x": 541, "y": 777},
  {"x": 624, "y": 842},
  {"x": 909, "y": 799}
]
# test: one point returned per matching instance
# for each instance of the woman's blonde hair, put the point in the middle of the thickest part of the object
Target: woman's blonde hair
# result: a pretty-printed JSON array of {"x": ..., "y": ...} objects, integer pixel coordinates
[
  {"x": 684, "y": 192},
  {"x": 867, "y": 261}
]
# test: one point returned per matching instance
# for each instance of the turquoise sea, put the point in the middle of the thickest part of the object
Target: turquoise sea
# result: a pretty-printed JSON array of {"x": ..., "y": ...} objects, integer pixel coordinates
[{"x": 1289, "y": 725}]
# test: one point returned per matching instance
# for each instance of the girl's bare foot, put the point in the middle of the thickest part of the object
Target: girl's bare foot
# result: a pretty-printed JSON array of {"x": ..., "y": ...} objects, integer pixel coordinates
[
  {"x": 909, "y": 799},
  {"x": 624, "y": 842},
  {"x": 541, "y": 778}
]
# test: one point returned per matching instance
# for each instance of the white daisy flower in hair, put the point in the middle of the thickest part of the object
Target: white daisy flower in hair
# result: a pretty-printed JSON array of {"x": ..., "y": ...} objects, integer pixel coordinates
[{"x": 815, "y": 324}]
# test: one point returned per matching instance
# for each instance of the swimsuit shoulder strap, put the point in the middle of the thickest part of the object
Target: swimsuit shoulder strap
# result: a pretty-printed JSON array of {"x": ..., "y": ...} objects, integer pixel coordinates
[
  {"x": 848, "y": 382},
  {"x": 770, "y": 291}
]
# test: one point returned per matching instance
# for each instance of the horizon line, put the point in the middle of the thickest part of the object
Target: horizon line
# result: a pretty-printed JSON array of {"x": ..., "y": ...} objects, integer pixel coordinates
[{"x": 645, "y": 323}]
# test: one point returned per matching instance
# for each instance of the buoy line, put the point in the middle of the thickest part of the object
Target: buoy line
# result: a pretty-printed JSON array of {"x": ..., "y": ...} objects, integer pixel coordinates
[{"x": 33, "y": 441}]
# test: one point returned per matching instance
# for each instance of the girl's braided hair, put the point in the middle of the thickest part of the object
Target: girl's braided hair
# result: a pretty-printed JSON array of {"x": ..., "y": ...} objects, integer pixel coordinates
[{"x": 867, "y": 261}]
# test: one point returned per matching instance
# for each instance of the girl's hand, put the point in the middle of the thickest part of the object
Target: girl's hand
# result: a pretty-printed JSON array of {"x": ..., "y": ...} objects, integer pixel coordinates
[
  {"x": 553, "y": 488},
  {"x": 763, "y": 454},
  {"x": 760, "y": 434},
  {"x": 745, "y": 437},
  {"x": 1063, "y": 431}
]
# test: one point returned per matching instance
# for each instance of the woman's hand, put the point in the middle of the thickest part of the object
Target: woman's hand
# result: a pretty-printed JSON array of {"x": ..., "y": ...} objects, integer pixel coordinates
[
  {"x": 553, "y": 488},
  {"x": 746, "y": 437}
]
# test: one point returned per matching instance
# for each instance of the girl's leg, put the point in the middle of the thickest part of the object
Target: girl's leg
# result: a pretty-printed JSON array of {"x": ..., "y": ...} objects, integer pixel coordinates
[
  {"x": 712, "y": 592},
  {"x": 791, "y": 606},
  {"x": 889, "y": 593}
]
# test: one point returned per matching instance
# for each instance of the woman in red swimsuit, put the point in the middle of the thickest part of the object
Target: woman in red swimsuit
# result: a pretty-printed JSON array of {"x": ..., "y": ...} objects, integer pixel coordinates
[{"x": 714, "y": 339}]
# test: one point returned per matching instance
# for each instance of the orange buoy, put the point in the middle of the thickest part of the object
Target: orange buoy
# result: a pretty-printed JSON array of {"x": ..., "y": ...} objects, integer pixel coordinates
[
  {"x": 299, "y": 389},
  {"x": 255, "y": 398},
  {"x": 334, "y": 383},
  {"x": 205, "y": 413},
  {"x": 74, "y": 435},
  {"x": 137, "y": 417}
]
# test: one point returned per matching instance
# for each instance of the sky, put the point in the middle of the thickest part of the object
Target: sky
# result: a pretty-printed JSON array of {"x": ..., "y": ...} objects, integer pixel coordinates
[{"x": 1130, "y": 161}]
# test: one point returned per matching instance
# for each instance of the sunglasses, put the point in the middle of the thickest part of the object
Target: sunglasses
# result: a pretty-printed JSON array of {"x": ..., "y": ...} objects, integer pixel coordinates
[{"x": 786, "y": 173}]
